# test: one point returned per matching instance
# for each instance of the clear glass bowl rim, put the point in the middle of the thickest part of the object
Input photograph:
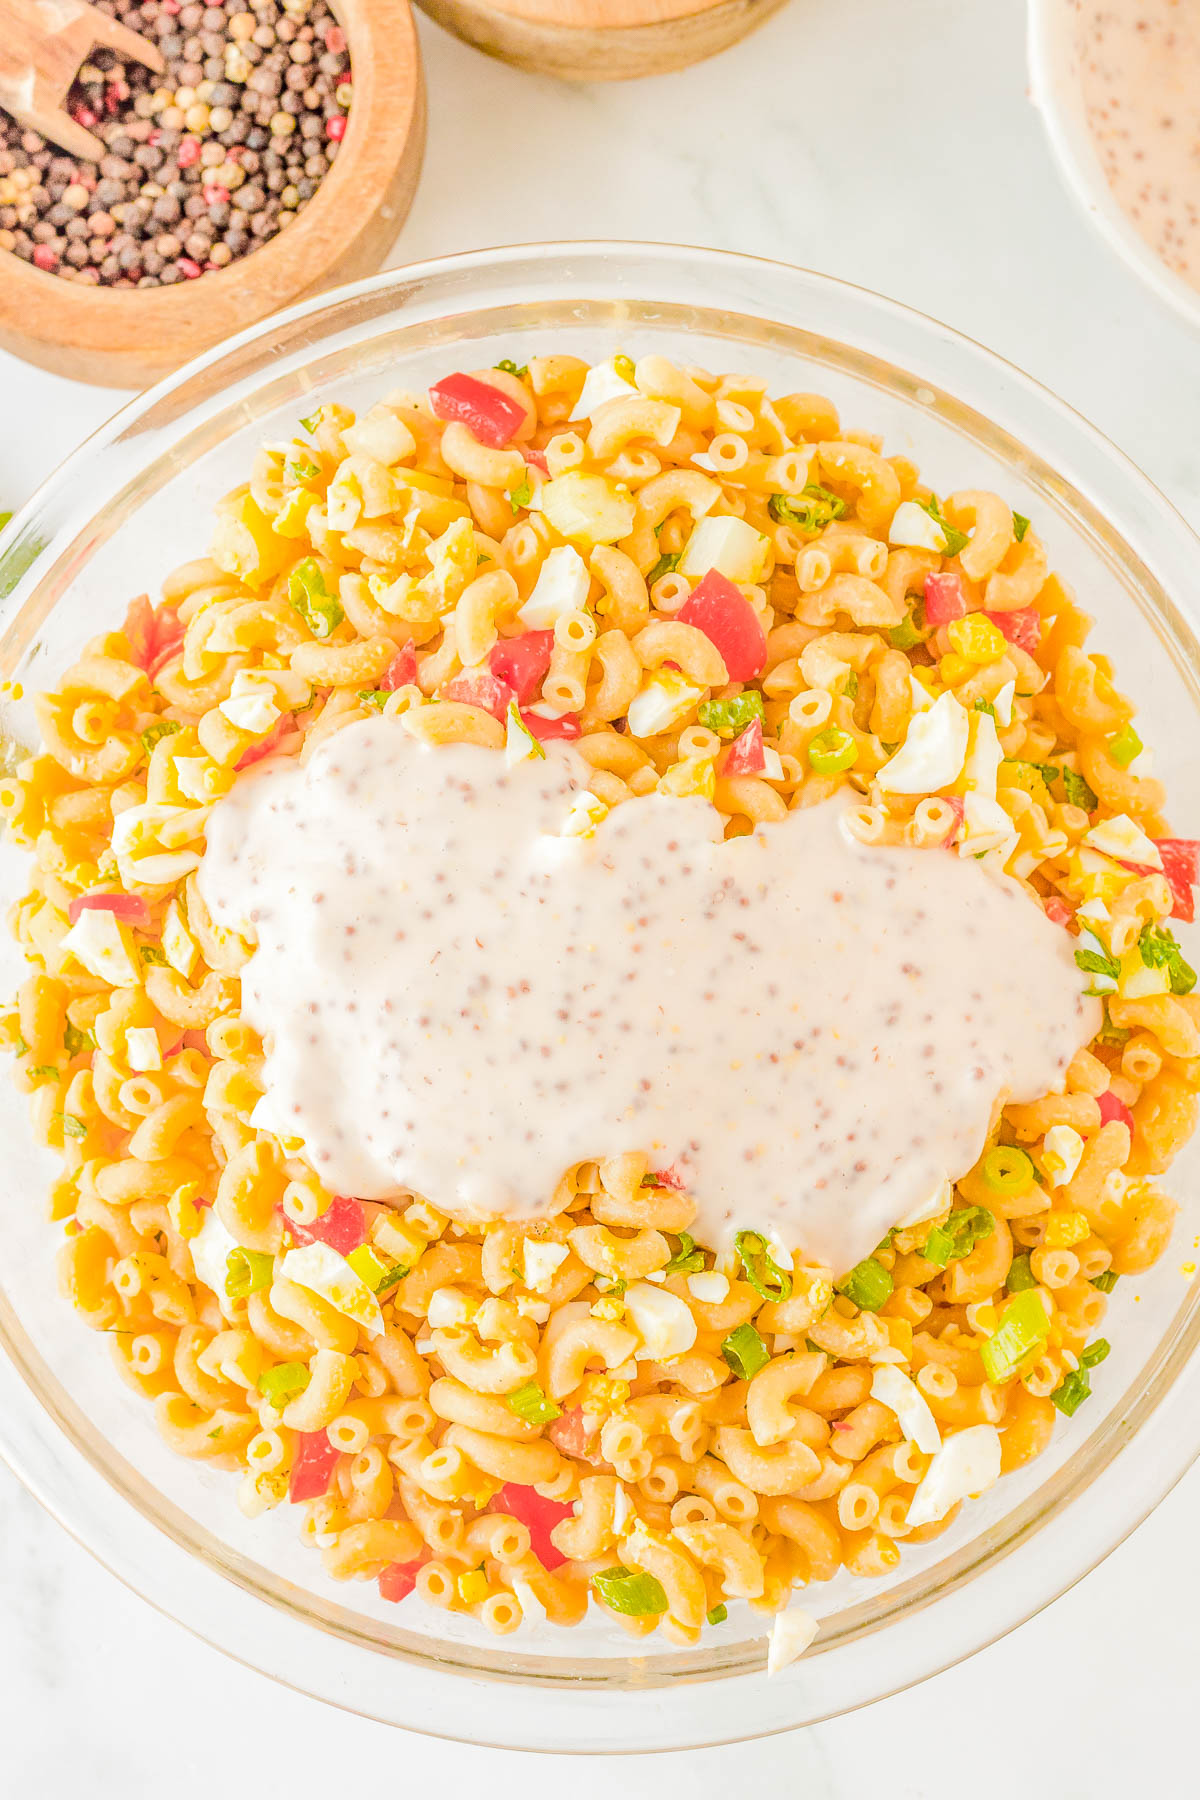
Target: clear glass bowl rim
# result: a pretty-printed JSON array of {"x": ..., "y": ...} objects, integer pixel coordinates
[{"x": 981, "y": 1591}]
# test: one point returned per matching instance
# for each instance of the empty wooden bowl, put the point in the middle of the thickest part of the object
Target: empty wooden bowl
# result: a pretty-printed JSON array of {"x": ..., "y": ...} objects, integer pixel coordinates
[
  {"x": 129, "y": 337},
  {"x": 600, "y": 40}
]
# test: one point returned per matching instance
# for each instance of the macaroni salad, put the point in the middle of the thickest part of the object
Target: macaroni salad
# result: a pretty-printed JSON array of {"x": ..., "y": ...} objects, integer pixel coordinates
[{"x": 701, "y": 592}]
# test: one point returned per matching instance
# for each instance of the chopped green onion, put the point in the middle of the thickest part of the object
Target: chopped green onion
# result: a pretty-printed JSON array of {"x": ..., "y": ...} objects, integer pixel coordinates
[
  {"x": 150, "y": 953},
  {"x": 1113, "y": 1034},
  {"x": 302, "y": 471},
  {"x": 1024, "y": 1326},
  {"x": 506, "y": 366},
  {"x": 1020, "y": 1276},
  {"x": 716, "y": 1615},
  {"x": 1160, "y": 951},
  {"x": 5, "y": 519},
  {"x": 635, "y": 1595},
  {"x": 985, "y": 706},
  {"x": 531, "y": 1404},
  {"x": 308, "y": 595},
  {"x": 1007, "y": 1170},
  {"x": 624, "y": 366},
  {"x": 745, "y": 1352},
  {"x": 959, "y": 1235},
  {"x": 850, "y": 686},
  {"x": 247, "y": 1271},
  {"x": 911, "y": 630},
  {"x": 768, "y": 1280},
  {"x": 1125, "y": 746},
  {"x": 728, "y": 717},
  {"x": 375, "y": 698},
  {"x": 44, "y": 1072},
  {"x": 519, "y": 496},
  {"x": 822, "y": 506},
  {"x": 868, "y": 1285},
  {"x": 379, "y": 1274},
  {"x": 1095, "y": 1353},
  {"x": 666, "y": 565},
  {"x": 73, "y": 1128},
  {"x": 1078, "y": 792},
  {"x": 687, "y": 1259},
  {"x": 1074, "y": 1389},
  {"x": 313, "y": 420},
  {"x": 160, "y": 729},
  {"x": 1020, "y": 526},
  {"x": 939, "y": 1247},
  {"x": 1105, "y": 1282},
  {"x": 833, "y": 750},
  {"x": 76, "y": 1041},
  {"x": 283, "y": 1383},
  {"x": 955, "y": 540}
]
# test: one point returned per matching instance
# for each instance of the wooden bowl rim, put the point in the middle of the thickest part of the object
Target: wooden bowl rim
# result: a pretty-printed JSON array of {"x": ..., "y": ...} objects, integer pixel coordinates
[
  {"x": 618, "y": 15},
  {"x": 42, "y": 308}
]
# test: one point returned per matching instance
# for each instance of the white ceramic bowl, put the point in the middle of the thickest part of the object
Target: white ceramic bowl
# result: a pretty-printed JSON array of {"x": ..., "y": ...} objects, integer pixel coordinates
[
  {"x": 136, "y": 500},
  {"x": 1057, "y": 92}
]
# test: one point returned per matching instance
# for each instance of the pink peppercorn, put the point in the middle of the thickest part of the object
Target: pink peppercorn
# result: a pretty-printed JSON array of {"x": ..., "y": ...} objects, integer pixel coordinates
[
  {"x": 190, "y": 269},
  {"x": 83, "y": 115},
  {"x": 188, "y": 153},
  {"x": 215, "y": 195},
  {"x": 45, "y": 257},
  {"x": 336, "y": 128},
  {"x": 172, "y": 6},
  {"x": 335, "y": 40}
]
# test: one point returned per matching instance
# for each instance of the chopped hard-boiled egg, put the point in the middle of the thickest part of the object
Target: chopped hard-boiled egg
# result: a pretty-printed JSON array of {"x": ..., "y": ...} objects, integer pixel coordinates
[
  {"x": 143, "y": 1052},
  {"x": 984, "y": 755},
  {"x": 592, "y": 509},
  {"x": 932, "y": 755},
  {"x": 1119, "y": 837},
  {"x": 708, "y": 1287},
  {"x": 562, "y": 587},
  {"x": 967, "y": 1463},
  {"x": 912, "y": 527},
  {"x": 601, "y": 384},
  {"x": 251, "y": 705},
  {"x": 179, "y": 946},
  {"x": 1003, "y": 704},
  {"x": 985, "y": 826},
  {"x": 1062, "y": 1148},
  {"x": 105, "y": 947},
  {"x": 664, "y": 1322},
  {"x": 520, "y": 745},
  {"x": 211, "y": 1249},
  {"x": 939, "y": 1202},
  {"x": 695, "y": 776},
  {"x": 449, "y": 1306},
  {"x": 729, "y": 545},
  {"x": 791, "y": 1633},
  {"x": 380, "y": 434},
  {"x": 666, "y": 700},
  {"x": 541, "y": 1261},
  {"x": 320, "y": 1269},
  {"x": 623, "y": 1513},
  {"x": 892, "y": 1388},
  {"x": 147, "y": 842},
  {"x": 587, "y": 810},
  {"x": 1138, "y": 982}
]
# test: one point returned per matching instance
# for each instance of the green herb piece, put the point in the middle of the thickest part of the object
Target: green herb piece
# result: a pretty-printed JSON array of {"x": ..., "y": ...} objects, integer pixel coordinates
[
  {"x": 729, "y": 717},
  {"x": 911, "y": 630},
  {"x": 150, "y": 953},
  {"x": 959, "y": 1235},
  {"x": 1078, "y": 792},
  {"x": 624, "y": 366},
  {"x": 76, "y": 1041},
  {"x": 763, "y": 1273},
  {"x": 687, "y": 1260},
  {"x": 1106, "y": 1282},
  {"x": 985, "y": 706},
  {"x": 1007, "y": 1170},
  {"x": 666, "y": 565},
  {"x": 1113, "y": 1034},
  {"x": 1020, "y": 526},
  {"x": 745, "y": 1352},
  {"x": 308, "y": 595},
  {"x": 1160, "y": 951},
  {"x": 247, "y": 1272},
  {"x": 1098, "y": 962},
  {"x": 375, "y": 698},
  {"x": 378, "y": 1274},
  {"x": 153, "y": 734},
  {"x": 283, "y": 1383},
  {"x": 1024, "y": 1325},
  {"x": 313, "y": 420},
  {"x": 531, "y": 1404},
  {"x": 302, "y": 470},
  {"x": 811, "y": 512},
  {"x": 716, "y": 1615},
  {"x": 1020, "y": 1276},
  {"x": 850, "y": 685},
  {"x": 508, "y": 367},
  {"x": 44, "y": 1072},
  {"x": 635, "y": 1595},
  {"x": 73, "y": 1128},
  {"x": 955, "y": 540},
  {"x": 519, "y": 496},
  {"x": 833, "y": 750},
  {"x": 1125, "y": 746},
  {"x": 868, "y": 1285}
]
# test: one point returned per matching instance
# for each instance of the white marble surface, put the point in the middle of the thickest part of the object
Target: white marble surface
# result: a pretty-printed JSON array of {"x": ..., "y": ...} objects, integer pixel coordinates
[{"x": 889, "y": 142}]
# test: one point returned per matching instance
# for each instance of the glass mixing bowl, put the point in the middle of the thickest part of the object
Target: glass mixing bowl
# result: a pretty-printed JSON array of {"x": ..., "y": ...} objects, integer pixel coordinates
[{"x": 136, "y": 500}]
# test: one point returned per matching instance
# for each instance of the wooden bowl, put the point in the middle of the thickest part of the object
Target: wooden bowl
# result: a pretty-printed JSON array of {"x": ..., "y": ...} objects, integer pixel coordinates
[
  {"x": 600, "y": 40},
  {"x": 130, "y": 337}
]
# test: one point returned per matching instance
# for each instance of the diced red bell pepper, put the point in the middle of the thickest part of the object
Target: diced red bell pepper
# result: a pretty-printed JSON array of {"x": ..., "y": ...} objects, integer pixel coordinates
[
  {"x": 342, "y": 1226},
  {"x": 1057, "y": 910},
  {"x": 745, "y": 754},
  {"x": 1022, "y": 627},
  {"x": 480, "y": 688},
  {"x": 1112, "y": 1108},
  {"x": 196, "y": 1040},
  {"x": 489, "y": 415},
  {"x": 402, "y": 670},
  {"x": 544, "y": 729},
  {"x": 1179, "y": 865},
  {"x": 398, "y": 1580},
  {"x": 312, "y": 1466},
  {"x": 539, "y": 1514},
  {"x": 670, "y": 1178},
  {"x": 154, "y": 634},
  {"x": 284, "y": 725},
  {"x": 944, "y": 598},
  {"x": 522, "y": 662},
  {"x": 536, "y": 459},
  {"x": 716, "y": 608},
  {"x": 574, "y": 1436},
  {"x": 130, "y": 909}
]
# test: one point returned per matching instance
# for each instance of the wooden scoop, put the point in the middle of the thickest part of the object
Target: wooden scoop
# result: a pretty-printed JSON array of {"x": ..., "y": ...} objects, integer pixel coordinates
[{"x": 43, "y": 44}]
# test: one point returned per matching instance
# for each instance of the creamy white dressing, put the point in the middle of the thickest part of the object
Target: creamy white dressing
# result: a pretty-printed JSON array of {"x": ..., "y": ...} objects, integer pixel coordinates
[{"x": 461, "y": 1003}]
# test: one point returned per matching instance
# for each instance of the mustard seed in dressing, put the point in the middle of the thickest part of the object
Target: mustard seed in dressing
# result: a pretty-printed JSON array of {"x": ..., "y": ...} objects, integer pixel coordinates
[{"x": 812, "y": 1032}]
